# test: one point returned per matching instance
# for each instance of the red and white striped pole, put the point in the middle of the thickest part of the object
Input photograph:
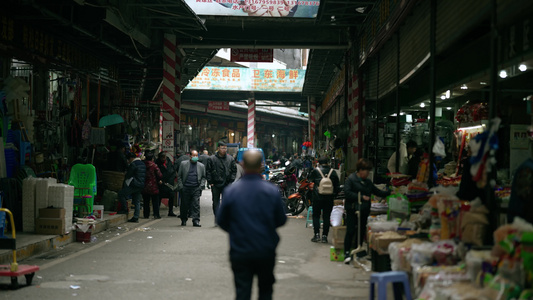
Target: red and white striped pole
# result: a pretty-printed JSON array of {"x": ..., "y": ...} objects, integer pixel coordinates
[
  {"x": 177, "y": 99},
  {"x": 169, "y": 82},
  {"x": 312, "y": 120},
  {"x": 251, "y": 123}
]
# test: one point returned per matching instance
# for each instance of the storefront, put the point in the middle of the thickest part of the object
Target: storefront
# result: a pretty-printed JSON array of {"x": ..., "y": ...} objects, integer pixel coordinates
[{"x": 429, "y": 79}]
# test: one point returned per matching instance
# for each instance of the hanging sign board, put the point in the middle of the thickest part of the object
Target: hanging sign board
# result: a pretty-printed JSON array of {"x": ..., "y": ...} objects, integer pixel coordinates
[
  {"x": 256, "y": 8},
  {"x": 218, "y": 105},
  {"x": 245, "y": 79},
  {"x": 252, "y": 55}
]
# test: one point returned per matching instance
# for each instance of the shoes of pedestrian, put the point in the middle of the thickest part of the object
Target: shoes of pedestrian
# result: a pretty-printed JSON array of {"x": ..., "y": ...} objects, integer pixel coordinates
[
  {"x": 325, "y": 239},
  {"x": 171, "y": 214},
  {"x": 157, "y": 217},
  {"x": 133, "y": 220},
  {"x": 348, "y": 259},
  {"x": 316, "y": 238},
  {"x": 196, "y": 224},
  {"x": 147, "y": 217},
  {"x": 183, "y": 223}
]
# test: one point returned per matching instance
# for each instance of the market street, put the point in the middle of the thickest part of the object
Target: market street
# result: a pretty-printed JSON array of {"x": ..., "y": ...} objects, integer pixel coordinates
[{"x": 159, "y": 259}]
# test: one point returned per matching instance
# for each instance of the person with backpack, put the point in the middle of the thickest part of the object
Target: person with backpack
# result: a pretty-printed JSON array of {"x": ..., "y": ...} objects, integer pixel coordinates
[{"x": 325, "y": 189}]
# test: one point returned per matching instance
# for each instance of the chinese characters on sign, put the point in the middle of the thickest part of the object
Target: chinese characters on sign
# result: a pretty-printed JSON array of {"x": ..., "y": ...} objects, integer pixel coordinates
[
  {"x": 244, "y": 79},
  {"x": 218, "y": 105},
  {"x": 256, "y": 8},
  {"x": 252, "y": 55}
]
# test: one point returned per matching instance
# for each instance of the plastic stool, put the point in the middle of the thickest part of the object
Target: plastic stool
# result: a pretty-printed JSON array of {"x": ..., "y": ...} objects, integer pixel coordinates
[
  {"x": 382, "y": 279},
  {"x": 309, "y": 213}
]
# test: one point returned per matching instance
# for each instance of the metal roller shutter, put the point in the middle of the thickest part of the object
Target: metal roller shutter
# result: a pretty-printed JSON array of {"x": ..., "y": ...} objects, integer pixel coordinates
[
  {"x": 414, "y": 39},
  {"x": 372, "y": 80},
  {"x": 388, "y": 67},
  {"x": 456, "y": 18}
]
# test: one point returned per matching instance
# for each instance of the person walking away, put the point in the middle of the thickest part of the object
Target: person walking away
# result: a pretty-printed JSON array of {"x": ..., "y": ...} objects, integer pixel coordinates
[
  {"x": 151, "y": 187},
  {"x": 325, "y": 189},
  {"x": 191, "y": 177},
  {"x": 203, "y": 158},
  {"x": 358, "y": 183},
  {"x": 133, "y": 185},
  {"x": 221, "y": 171},
  {"x": 251, "y": 211},
  {"x": 169, "y": 175},
  {"x": 240, "y": 171},
  {"x": 406, "y": 153}
]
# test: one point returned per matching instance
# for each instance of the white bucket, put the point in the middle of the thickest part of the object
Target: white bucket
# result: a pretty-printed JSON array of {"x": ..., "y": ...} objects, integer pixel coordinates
[{"x": 98, "y": 211}]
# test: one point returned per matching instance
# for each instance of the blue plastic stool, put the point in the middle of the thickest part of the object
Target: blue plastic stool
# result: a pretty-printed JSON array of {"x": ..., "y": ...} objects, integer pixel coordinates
[
  {"x": 309, "y": 213},
  {"x": 396, "y": 278}
]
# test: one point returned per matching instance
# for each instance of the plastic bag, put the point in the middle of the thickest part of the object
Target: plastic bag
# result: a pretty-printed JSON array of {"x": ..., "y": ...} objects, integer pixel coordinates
[
  {"x": 336, "y": 215},
  {"x": 382, "y": 226},
  {"x": 421, "y": 254},
  {"x": 439, "y": 149}
]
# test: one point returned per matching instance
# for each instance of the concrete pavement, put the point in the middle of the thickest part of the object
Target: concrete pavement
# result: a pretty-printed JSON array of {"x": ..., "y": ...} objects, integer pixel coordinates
[{"x": 160, "y": 259}]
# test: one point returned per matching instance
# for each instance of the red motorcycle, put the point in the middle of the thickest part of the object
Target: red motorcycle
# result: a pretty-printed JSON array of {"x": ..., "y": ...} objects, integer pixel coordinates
[{"x": 297, "y": 202}]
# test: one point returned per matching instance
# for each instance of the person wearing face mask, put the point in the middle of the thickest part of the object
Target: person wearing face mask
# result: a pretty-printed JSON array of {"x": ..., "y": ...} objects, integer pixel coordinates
[
  {"x": 191, "y": 177},
  {"x": 356, "y": 183},
  {"x": 221, "y": 172}
]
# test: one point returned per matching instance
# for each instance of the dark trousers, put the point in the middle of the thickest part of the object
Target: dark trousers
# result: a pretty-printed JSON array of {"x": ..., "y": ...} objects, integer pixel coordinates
[
  {"x": 352, "y": 227},
  {"x": 217, "y": 194},
  {"x": 190, "y": 200},
  {"x": 155, "y": 201},
  {"x": 322, "y": 205},
  {"x": 136, "y": 196},
  {"x": 166, "y": 192},
  {"x": 244, "y": 272}
]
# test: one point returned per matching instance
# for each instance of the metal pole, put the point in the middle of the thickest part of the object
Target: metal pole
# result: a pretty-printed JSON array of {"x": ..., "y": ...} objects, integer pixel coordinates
[
  {"x": 398, "y": 103},
  {"x": 432, "y": 84},
  {"x": 376, "y": 130},
  {"x": 492, "y": 206}
]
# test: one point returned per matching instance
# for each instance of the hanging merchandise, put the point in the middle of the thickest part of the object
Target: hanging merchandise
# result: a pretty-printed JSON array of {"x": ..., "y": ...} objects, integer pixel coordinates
[{"x": 483, "y": 148}]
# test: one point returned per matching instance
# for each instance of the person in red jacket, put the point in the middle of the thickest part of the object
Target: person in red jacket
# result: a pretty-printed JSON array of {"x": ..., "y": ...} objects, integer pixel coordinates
[{"x": 151, "y": 187}]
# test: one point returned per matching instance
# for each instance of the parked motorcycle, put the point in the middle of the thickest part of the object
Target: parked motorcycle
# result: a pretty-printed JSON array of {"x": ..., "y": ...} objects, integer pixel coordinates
[{"x": 297, "y": 202}]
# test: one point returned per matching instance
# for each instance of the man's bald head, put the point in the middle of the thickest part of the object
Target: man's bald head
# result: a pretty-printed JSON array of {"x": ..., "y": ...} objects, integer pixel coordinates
[{"x": 252, "y": 161}]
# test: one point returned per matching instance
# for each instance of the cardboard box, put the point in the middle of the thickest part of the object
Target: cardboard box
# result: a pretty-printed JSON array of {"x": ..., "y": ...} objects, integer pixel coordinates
[
  {"x": 381, "y": 244},
  {"x": 336, "y": 254},
  {"x": 50, "y": 226},
  {"x": 52, "y": 213},
  {"x": 338, "y": 243},
  {"x": 339, "y": 232}
]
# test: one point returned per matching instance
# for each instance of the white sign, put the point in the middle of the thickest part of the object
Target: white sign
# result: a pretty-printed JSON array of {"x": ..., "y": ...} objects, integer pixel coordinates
[
  {"x": 168, "y": 146},
  {"x": 168, "y": 130}
]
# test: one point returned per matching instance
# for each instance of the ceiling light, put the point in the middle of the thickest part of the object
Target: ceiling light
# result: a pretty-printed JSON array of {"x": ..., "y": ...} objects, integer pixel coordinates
[
  {"x": 332, "y": 18},
  {"x": 522, "y": 68},
  {"x": 402, "y": 113},
  {"x": 483, "y": 83},
  {"x": 443, "y": 97},
  {"x": 464, "y": 87},
  {"x": 448, "y": 94},
  {"x": 360, "y": 10},
  {"x": 393, "y": 115},
  {"x": 503, "y": 74},
  {"x": 448, "y": 108},
  {"x": 422, "y": 105},
  {"x": 190, "y": 127},
  {"x": 273, "y": 135},
  {"x": 233, "y": 134}
]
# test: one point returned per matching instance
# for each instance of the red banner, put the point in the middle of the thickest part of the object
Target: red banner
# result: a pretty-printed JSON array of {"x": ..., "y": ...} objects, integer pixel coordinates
[
  {"x": 252, "y": 55},
  {"x": 218, "y": 105}
]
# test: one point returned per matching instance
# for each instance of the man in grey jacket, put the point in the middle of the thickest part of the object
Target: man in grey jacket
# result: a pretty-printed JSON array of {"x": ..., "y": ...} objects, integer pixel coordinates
[{"x": 191, "y": 177}]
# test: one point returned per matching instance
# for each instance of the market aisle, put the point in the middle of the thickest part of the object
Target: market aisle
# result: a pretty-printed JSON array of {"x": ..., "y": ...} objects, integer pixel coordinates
[{"x": 160, "y": 259}]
